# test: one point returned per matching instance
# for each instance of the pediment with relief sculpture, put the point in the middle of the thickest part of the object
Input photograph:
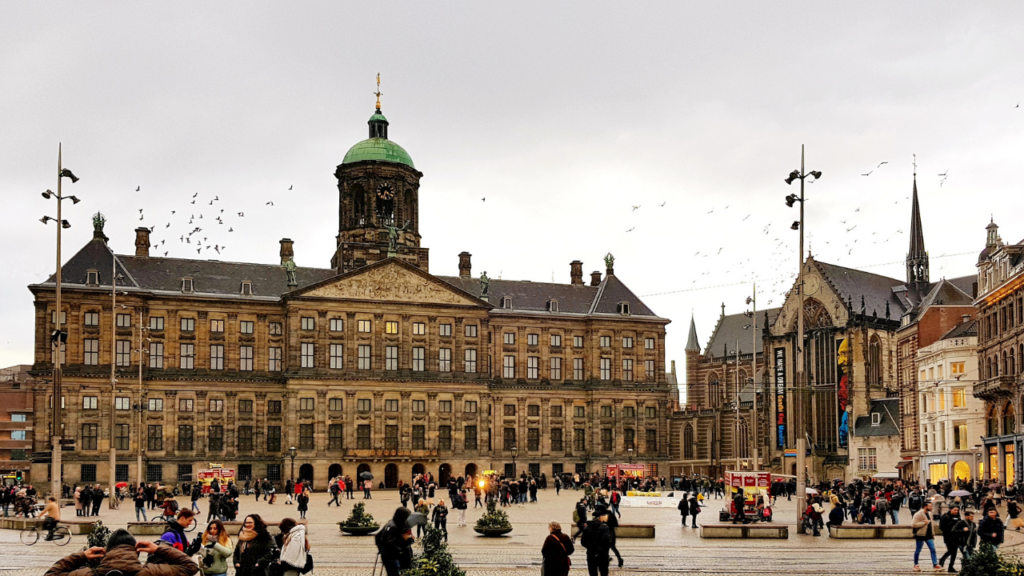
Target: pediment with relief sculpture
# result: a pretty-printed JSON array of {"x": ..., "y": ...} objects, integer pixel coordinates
[{"x": 392, "y": 281}]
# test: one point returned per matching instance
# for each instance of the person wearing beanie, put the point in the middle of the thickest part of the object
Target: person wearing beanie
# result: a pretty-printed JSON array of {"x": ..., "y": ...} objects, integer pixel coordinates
[{"x": 122, "y": 555}]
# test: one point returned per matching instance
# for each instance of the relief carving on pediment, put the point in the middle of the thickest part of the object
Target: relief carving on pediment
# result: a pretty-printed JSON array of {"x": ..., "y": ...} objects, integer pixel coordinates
[{"x": 389, "y": 283}]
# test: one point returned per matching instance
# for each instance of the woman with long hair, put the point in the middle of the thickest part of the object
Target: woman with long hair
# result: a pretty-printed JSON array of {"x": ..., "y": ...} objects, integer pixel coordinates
[
  {"x": 255, "y": 550},
  {"x": 294, "y": 546},
  {"x": 216, "y": 550}
]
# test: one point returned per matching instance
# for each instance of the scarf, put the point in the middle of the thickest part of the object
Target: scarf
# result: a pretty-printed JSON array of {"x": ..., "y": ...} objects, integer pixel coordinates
[{"x": 245, "y": 535}]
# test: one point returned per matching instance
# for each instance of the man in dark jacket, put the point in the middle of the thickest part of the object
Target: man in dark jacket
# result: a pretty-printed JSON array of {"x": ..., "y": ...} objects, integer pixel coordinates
[
  {"x": 738, "y": 501},
  {"x": 581, "y": 517},
  {"x": 597, "y": 539},
  {"x": 122, "y": 555},
  {"x": 394, "y": 542},
  {"x": 967, "y": 535},
  {"x": 947, "y": 524},
  {"x": 990, "y": 529}
]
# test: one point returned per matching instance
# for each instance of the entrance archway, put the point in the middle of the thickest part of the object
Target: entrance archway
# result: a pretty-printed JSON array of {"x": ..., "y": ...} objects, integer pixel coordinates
[
  {"x": 443, "y": 472},
  {"x": 961, "y": 471},
  {"x": 391, "y": 476},
  {"x": 306, "y": 473},
  {"x": 334, "y": 471},
  {"x": 418, "y": 469},
  {"x": 470, "y": 469},
  {"x": 364, "y": 467}
]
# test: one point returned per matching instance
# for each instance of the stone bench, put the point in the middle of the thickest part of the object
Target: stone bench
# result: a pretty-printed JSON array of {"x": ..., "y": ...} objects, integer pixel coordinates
[
  {"x": 764, "y": 530},
  {"x": 233, "y": 528},
  {"x": 868, "y": 531},
  {"x": 75, "y": 526},
  {"x": 627, "y": 531}
]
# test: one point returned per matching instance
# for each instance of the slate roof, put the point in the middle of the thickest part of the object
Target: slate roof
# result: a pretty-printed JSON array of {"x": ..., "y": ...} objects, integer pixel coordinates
[
  {"x": 269, "y": 281},
  {"x": 736, "y": 327},
  {"x": 692, "y": 342},
  {"x": 963, "y": 330},
  {"x": 889, "y": 408},
  {"x": 876, "y": 289}
]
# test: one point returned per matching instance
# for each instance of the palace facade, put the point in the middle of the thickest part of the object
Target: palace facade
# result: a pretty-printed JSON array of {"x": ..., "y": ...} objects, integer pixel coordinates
[{"x": 370, "y": 364}]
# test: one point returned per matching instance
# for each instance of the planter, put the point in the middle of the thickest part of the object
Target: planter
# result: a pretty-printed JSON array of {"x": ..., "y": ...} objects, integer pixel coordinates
[
  {"x": 492, "y": 532},
  {"x": 358, "y": 530}
]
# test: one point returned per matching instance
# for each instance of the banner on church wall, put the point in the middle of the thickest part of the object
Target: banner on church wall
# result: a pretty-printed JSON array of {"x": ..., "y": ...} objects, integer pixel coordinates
[
  {"x": 843, "y": 391},
  {"x": 780, "y": 397}
]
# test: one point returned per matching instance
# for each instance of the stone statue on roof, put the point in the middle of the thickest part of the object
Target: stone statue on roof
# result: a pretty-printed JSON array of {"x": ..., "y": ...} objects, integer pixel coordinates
[
  {"x": 485, "y": 284},
  {"x": 393, "y": 238},
  {"x": 609, "y": 261}
]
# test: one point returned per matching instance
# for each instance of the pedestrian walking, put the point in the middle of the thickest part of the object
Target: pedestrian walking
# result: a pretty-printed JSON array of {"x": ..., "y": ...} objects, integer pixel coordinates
[
  {"x": 196, "y": 494},
  {"x": 303, "y": 500},
  {"x": 990, "y": 529},
  {"x": 216, "y": 550},
  {"x": 440, "y": 518},
  {"x": 967, "y": 532},
  {"x": 394, "y": 542},
  {"x": 461, "y": 504},
  {"x": 579, "y": 516},
  {"x": 597, "y": 539},
  {"x": 950, "y": 539},
  {"x": 367, "y": 484},
  {"x": 294, "y": 546},
  {"x": 255, "y": 550},
  {"x": 923, "y": 534},
  {"x": 557, "y": 549}
]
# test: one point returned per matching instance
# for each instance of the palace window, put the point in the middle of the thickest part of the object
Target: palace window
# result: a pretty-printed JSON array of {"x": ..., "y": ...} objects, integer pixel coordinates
[
  {"x": 629, "y": 412},
  {"x": 444, "y": 359},
  {"x": 121, "y": 436},
  {"x": 649, "y": 343},
  {"x": 579, "y": 411},
  {"x": 156, "y": 355},
  {"x": 273, "y": 439},
  {"x": 391, "y": 405},
  {"x": 245, "y": 406},
  {"x": 510, "y": 409},
  {"x": 629, "y": 438},
  {"x": 649, "y": 369},
  {"x": 246, "y": 288},
  {"x": 245, "y": 358},
  {"x": 419, "y": 405},
  {"x": 306, "y": 404},
  {"x": 651, "y": 412},
  {"x": 305, "y": 436},
  {"x": 246, "y": 326},
  {"x": 556, "y": 340},
  {"x": 606, "y": 341},
  {"x": 533, "y": 410},
  {"x": 510, "y": 337},
  {"x": 533, "y": 439},
  {"x": 245, "y": 438},
  {"x": 337, "y": 325},
  {"x": 606, "y": 411},
  {"x": 188, "y": 324},
  {"x": 509, "y": 438},
  {"x": 275, "y": 329},
  {"x": 391, "y": 357},
  {"x": 93, "y": 319},
  {"x": 215, "y": 438},
  {"x": 652, "y": 441},
  {"x": 186, "y": 404},
  {"x": 122, "y": 403},
  {"x": 606, "y": 439},
  {"x": 185, "y": 437},
  {"x": 470, "y": 354},
  {"x": 217, "y": 357},
  {"x": 556, "y": 368},
  {"x": 364, "y": 326},
  {"x": 364, "y": 404},
  {"x": 308, "y": 323},
  {"x": 471, "y": 330},
  {"x": 217, "y": 326},
  {"x": 337, "y": 356},
  {"x": 391, "y": 327},
  {"x": 509, "y": 367},
  {"x": 273, "y": 406},
  {"x": 155, "y": 438},
  {"x": 532, "y": 339},
  {"x": 363, "y": 436},
  {"x": 419, "y": 328},
  {"x": 156, "y": 405},
  {"x": 336, "y": 437},
  {"x": 274, "y": 359},
  {"x": 470, "y": 407},
  {"x": 444, "y": 330},
  {"x": 444, "y": 437},
  {"x": 92, "y": 352},
  {"x": 90, "y": 436},
  {"x": 622, "y": 308},
  {"x": 444, "y": 406},
  {"x": 124, "y": 353},
  {"x": 216, "y": 405},
  {"x": 188, "y": 357},
  {"x": 579, "y": 439},
  {"x": 627, "y": 369},
  {"x": 418, "y": 361},
  {"x": 556, "y": 411},
  {"x": 90, "y": 402},
  {"x": 577, "y": 369},
  {"x": 336, "y": 404},
  {"x": 308, "y": 357},
  {"x": 470, "y": 438},
  {"x": 124, "y": 320},
  {"x": 556, "y": 440},
  {"x": 533, "y": 367},
  {"x": 606, "y": 368},
  {"x": 627, "y": 341}
]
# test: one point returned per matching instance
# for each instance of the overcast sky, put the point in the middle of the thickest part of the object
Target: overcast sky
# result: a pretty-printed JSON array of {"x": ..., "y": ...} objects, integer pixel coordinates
[{"x": 563, "y": 116}]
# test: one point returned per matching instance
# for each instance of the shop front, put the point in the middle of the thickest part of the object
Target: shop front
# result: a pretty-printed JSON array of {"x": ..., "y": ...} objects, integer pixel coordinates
[
  {"x": 956, "y": 467},
  {"x": 1000, "y": 463}
]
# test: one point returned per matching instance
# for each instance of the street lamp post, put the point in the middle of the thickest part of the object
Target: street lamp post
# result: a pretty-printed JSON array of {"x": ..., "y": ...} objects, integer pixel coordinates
[
  {"x": 629, "y": 451},
  {"x": 292, "y": 452},
  {"x": 799, "y": 400},
  {"x": 58, "y": 337},
  {"x": 752, "y": 300},
  {"x": 515, "y": 452}
]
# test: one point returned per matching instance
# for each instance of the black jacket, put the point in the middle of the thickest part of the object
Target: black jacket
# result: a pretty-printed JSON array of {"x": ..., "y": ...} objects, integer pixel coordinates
[
  {"x": 392, "y": 546},
  {"x": 989, "y": 526},
  {"x": 259, "y": 553},
  {"x": 947, "y": 524},
  {"x": 597, "y": 539},
  {"x": 966, "y": 534}
]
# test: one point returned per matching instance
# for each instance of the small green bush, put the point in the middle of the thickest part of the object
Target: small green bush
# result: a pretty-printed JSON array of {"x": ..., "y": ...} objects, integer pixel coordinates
[
  {"x": 359, "y": 518},
  {"x": 98, "y": 536},
  {"x": 435, "y": 559},
  {"x": 493, "y": 518}
]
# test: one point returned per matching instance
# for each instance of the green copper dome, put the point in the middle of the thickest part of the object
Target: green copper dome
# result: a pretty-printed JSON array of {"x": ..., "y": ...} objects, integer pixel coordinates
[
  {"x": 380, "y": 149},
  {"x": 377, "y": 146}
]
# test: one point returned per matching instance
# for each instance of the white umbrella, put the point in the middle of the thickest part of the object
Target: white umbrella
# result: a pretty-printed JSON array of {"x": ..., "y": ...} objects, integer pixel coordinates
[{"x": 812, "y": 491}]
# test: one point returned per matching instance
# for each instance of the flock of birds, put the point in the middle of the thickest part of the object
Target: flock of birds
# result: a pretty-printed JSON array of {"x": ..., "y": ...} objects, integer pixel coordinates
[{"x": 198, "y": 232}]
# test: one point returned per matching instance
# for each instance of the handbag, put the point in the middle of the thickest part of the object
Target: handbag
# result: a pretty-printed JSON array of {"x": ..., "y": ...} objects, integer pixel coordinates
[
  {"x": 309, "y": 564},
  {"x": 1018, "y": 523}
]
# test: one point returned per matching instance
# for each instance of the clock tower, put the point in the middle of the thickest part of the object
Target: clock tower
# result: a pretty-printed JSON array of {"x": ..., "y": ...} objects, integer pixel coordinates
[{"x": 379, "y": 188}]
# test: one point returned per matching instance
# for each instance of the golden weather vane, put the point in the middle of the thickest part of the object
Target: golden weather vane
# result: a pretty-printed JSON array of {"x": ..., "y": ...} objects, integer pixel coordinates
[{"x": 378, "y": 92}]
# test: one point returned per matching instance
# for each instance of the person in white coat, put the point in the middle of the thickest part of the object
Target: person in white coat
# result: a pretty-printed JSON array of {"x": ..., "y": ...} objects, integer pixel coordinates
[{"x": 294, "y": 547}]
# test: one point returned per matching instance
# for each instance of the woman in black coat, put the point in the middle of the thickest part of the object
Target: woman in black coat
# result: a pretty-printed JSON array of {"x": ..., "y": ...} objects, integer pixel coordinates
[
  {"x": 303, "y": 500},
  {"x": 255, "y": 550},
  {"x": 556, "y": 551}
]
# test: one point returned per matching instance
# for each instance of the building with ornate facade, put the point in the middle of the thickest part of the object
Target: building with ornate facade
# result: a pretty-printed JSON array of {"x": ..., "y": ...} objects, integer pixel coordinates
[
  {"x": 371, "y": 364},
  {"x": 1000, "y": 303}
]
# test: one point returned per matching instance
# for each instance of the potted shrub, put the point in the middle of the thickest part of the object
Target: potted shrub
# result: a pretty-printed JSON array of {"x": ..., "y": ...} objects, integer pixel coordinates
[
  {"x": 493, "y": 523},
  {"x": 435, "y": 560},
  {"x": 359, "y": 523}
]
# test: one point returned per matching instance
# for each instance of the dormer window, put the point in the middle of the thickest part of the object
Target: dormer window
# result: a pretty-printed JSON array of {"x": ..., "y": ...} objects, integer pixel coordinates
[
  {"x": 552, "y": 305},
  {"x": 876, "y": 419},
  {"x": 187, "y": 285},
  {"x": 622, "y": 308},
  {"x": 246, "y": 288},
  {"x": 506, "y": 302},
  {"x": 92, "y": 277}
]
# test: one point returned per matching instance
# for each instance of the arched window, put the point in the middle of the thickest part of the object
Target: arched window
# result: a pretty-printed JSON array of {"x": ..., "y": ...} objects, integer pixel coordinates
[
  {"x": 358, "y": 205},
  {"x": 875, "y": 361},
  {"x": 1009, "y": 419},
  {"x": 713, "y": 390},
  {"x": 1012, "y": 368},
  {"x": 993, "y": 422},
  {"x": 742, "y": 439},
  {"x": 688, "y": 442}
]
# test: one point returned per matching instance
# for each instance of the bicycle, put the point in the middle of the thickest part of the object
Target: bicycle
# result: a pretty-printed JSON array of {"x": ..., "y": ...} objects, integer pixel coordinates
[{"x": 30, "y": 535}]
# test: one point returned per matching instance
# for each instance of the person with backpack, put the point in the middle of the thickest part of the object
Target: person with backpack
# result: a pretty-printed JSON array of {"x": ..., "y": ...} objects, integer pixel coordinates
[
  {"x": 394, "y": 542},
  {"x": 967, "y": 536},
  {"x": 440, "y": 518},
  {"x": 881, "y": 508},
  {"x": 336, "y": 492},
  {"x": 121, "y": 554},
  {"x": 915, "y": 502},
  {"x": 174, "y": 533},
  {"x": 461, "y": 503},
  {"x": 598, "y": 540},
  {"x": 579, "y": 516}
]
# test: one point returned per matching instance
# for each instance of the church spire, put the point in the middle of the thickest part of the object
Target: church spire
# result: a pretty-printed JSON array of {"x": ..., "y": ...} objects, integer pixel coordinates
[
  {"x": 917, "y": 257},
  {"x": 692, "y": 344}
]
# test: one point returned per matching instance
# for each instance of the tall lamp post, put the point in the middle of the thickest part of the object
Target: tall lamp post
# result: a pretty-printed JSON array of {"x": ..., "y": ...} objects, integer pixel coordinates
[
  {"x": 752, "y": 300},
  {"x": 799, "y": 431},
  {"x": 59, "y": 336},
  {"x": 629, "y": 451},
  {"x": 515, "y": 452},
  {"x": 292, "y": 452}
]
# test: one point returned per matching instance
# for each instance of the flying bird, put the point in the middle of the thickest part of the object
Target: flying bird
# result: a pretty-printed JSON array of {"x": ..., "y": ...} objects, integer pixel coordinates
[
  {"x": 216, "y": 198},
  {"x": 880, "y": 164},
  {"x": 271, "y": 203},
  {"x": 745, "y": 217},
  {"x": 198, "y": 250},
  {"x": 165, "y": 254},
  {"x": 168, "y": 225},
  {"x": 868, "y": 174},
  {"x": 631, "y": 229},
  {"x": 635, "y": 208},
  {"x": 240, "y": 214},
  {"x": 211, "y": 202},
  {"x": 137, "y": 188},
  {"x": 663, "y": 203},
  {"x": 231, "y": 229},
  {"x": 483, "y": 199},
  {"x": 196, "y": 194},
  {"x": 712, "y": 210},
  {"x": 289, "y": 187},
  {"x": 192, "y": 202}
]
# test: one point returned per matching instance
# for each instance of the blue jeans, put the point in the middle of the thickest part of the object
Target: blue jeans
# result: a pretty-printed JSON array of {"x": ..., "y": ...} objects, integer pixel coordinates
[
  {"x": 392, "y": 567},
  {"x": 931, "y": 548},
  {"x": 143, "y": 512},
  {"x": 895, "y": 514}
]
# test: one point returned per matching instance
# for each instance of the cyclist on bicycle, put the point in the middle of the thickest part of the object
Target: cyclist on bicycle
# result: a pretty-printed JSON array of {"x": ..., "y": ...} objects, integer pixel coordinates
[
  {"x": 51, "y": 515},
  {"x": 170, "y": 507}
]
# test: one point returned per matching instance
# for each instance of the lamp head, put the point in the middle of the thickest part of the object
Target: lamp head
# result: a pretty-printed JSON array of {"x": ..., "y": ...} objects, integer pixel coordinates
[
  {"x": 796, "y": 225},
  {"x": 816, "y": 174},
  {"x": 65, "y": 173},
  {"x": 65, "y": 224},
  {"x": 792, "y": 176},
  {"x": 74, "y": 199},
  {"x": 791, "y": 199},
  {"x": 749, "y": 300},
  {"x": 48, "y": 194},
  {"x": 44, "y": 219}
]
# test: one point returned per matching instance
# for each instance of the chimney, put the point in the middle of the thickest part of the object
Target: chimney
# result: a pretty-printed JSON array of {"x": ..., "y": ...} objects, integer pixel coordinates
[
  {"x": 142, "y": 242},
  {"x": 576, "y": 272},
  {"x": 974, "y": 290},
  {"x": 595, "y": 278},
  {"x": 286, "y": 250},
  {"x": 465, "y": 265}
]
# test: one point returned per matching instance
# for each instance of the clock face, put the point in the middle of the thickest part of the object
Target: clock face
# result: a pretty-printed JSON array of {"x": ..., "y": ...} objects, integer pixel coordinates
[
  {"x": 811, "y": 284},
  {"x": 385, "y": 192}
]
